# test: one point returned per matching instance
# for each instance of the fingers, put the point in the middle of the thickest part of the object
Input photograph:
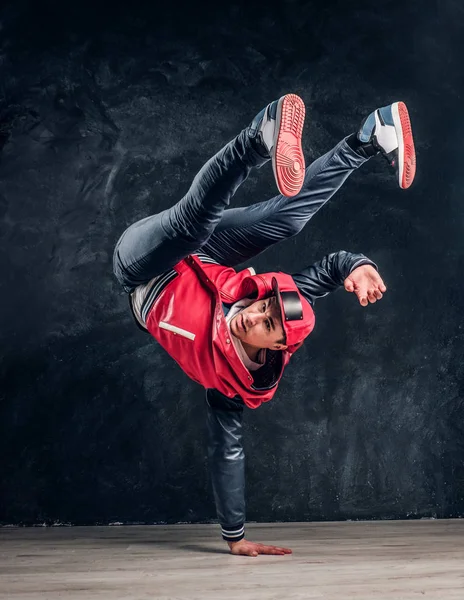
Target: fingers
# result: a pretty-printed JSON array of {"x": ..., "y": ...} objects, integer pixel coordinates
[
  {"x": 262, "y": 549},
  {"x": 349, "y": 285},
  {"x": 252, "y": 549},
  {"x": 374, "y": 295},
  {"x": 269, "y": 550},
  {"x": 378, "y": 284},
  {"x": 368, "y": 297},
  {"x": 371, "y": 295},
  {"x": 361, "y": 293},
  {"x": 368, "y": 288}
]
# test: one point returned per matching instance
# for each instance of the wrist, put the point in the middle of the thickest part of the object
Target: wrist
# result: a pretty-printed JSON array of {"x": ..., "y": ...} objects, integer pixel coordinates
[{"x": 362, "y": 263}]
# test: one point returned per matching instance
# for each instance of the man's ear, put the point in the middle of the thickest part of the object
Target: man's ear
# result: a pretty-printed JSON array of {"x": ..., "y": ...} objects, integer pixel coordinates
[{"x": 279, "y": 347}]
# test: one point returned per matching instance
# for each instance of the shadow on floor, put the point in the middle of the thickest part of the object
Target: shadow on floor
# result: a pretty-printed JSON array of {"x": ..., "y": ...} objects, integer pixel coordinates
[{"x": 191, "y": 547}]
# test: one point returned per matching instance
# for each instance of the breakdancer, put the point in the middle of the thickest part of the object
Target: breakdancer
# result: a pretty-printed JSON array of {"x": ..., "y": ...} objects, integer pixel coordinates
[{"x": 233, "y": 332}]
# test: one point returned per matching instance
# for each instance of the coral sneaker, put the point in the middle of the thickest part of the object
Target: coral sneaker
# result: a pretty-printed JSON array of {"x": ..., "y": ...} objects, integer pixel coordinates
[{"x": 277, "y": 131}]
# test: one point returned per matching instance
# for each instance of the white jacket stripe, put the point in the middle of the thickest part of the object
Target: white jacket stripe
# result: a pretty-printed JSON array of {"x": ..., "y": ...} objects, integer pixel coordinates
[{"x": 178, "y": 330}]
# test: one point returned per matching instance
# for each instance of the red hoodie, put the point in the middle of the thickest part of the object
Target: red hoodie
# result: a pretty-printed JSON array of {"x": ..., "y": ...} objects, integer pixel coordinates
[{"x": 188, "y": 320}]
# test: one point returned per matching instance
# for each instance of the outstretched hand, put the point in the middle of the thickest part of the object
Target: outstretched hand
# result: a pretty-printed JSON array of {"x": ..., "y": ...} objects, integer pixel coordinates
[
  {"x": 246, "y": 548},
  {"x": 366, "y": 283}
]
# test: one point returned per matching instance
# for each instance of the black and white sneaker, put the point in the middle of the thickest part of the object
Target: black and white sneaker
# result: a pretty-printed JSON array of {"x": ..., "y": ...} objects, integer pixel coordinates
[{"x": 388, "y": 130}]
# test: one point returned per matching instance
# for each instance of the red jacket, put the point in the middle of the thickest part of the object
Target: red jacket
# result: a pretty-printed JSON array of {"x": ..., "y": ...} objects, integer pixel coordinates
[{"x": 188, "y": 320}]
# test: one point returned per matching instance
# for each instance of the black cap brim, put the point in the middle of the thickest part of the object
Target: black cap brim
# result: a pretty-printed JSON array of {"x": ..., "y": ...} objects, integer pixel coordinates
[{"x": 289, "y": 304}]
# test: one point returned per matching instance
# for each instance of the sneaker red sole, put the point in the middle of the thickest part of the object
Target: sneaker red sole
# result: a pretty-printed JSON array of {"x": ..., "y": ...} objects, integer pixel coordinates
[
  {"x": 408, "y": 167},
  {"x": 288, "y": 160}
]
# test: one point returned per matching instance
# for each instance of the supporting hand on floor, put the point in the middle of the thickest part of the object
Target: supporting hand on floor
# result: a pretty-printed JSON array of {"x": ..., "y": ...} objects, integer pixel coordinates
[
  {"x": 246, "y": 548},
  {"x": 366, "y": 283}
]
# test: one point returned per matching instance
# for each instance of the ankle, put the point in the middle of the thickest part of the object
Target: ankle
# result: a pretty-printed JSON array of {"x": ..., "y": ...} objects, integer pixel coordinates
[
  {"x": 366, "y": 150},
  {"x": 258, "y": 146}
]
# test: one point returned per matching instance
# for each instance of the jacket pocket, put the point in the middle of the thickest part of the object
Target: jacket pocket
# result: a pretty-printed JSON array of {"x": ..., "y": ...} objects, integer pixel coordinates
[{"x": 177, "y": 330}]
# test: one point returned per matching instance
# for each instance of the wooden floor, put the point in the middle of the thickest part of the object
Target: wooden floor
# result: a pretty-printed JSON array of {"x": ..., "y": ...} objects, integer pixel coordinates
[{"x": 397, "y": 560}]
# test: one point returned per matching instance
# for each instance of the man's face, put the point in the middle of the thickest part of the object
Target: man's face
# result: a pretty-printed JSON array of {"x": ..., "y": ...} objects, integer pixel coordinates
[{"x": 260, "y": 325}]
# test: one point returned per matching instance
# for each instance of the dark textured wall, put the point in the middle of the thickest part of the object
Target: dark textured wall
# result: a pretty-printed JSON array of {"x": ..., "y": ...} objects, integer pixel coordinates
[{"x": 106, "y": 115}]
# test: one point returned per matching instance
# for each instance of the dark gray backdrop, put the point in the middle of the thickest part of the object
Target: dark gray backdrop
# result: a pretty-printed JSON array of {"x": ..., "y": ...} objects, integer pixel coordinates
[{"x": 106, "y": 115}]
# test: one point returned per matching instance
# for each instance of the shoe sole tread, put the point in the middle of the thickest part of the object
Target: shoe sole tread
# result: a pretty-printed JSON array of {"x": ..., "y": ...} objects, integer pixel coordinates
[
  {"x": 288, "y": 159},
  {"x": 407, "y": 153}
]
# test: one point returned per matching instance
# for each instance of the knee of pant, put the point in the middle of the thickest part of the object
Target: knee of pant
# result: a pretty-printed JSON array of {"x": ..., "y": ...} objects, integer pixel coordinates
[
  {"x": 120, "y": 274},
  {"x": 117, "y": 268}
]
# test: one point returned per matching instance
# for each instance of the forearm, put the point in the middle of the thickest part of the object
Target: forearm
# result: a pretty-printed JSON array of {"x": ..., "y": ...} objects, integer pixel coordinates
[
  {"x": 227, "y": 462},
  {"x": 328, "y": 274}
]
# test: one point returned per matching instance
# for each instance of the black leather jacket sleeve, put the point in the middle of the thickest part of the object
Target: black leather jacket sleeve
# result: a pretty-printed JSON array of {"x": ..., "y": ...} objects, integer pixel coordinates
[
  {"x": 328, "y": 274},
  {"x": 224, "y": 415},
  {"x": 227, "y": 462}
]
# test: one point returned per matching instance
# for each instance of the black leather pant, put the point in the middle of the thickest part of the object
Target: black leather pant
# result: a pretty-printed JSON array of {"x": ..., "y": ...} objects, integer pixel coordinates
[
  {"x": 202, "y": 219},
  {"x": 227, "y": 461}
]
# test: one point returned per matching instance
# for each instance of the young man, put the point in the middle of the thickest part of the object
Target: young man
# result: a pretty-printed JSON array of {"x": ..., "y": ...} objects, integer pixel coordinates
[{"x": 234, "y": 332}]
